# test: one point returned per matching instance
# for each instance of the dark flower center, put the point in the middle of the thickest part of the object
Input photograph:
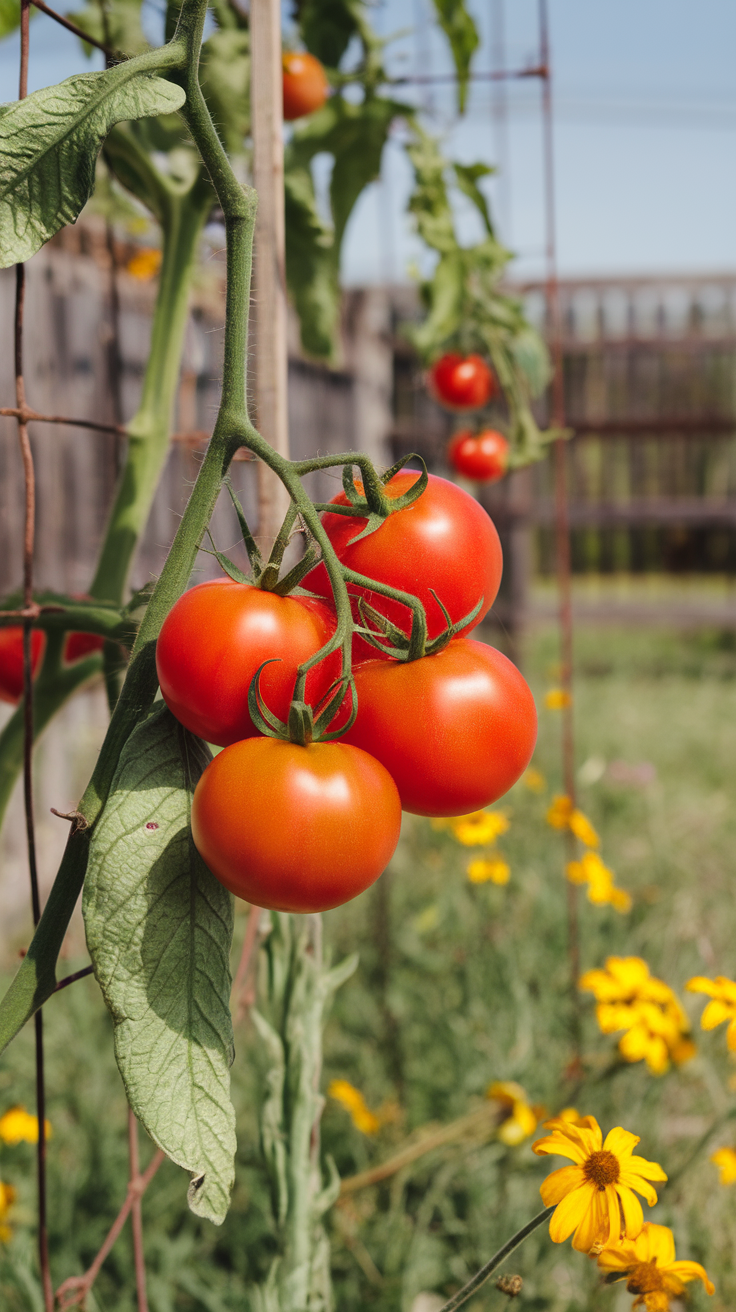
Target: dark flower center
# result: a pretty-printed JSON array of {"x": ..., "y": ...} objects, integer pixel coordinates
[
  {"x": 602, "y": 1168},
  {"x": 645, "y": 1279}
]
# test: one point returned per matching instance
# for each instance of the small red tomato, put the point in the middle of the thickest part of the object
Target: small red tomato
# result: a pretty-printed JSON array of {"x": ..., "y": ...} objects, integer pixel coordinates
[
  {"x": 11, "y": 660},
  {"x": 214, "y": 639},
  {"x": 78, "y": 645},
  {"x": 444, "y": 540},
  {"x": 295, "y": 828},
  {"x": 481, "y": 456},
  {"x": 462, "y": 382},
  {"x": 305, "y": 85},
  {"x": 454, "y": 730}
]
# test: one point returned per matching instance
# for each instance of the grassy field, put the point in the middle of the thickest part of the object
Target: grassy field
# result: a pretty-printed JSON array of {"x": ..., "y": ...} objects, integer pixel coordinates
[{"x": 459, "y": 985}]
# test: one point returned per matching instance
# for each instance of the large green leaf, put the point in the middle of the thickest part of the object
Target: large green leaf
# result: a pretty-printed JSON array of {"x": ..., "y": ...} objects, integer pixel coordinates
[
  {"x": 159, "y": 928},
  {"x": 116, "y": 25},
  {"x": 327, "y": 26},
  {"x": 49, "y": 143},
  {"x": 462, "y": 34}
]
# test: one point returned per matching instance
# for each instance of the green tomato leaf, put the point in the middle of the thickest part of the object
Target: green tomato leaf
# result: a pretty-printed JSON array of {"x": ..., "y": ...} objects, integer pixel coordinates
[
  {"x": 10, "y": 16},
  {"x": 224, "y": 73},
  {"x": 49, "y": 144},
  {"x": 326, "y": 27},
  {"x": 467, "y": 180},
  {"x": 159, "y": 928},
  {"x": 116, "y": 25},
  {"x": 462, "y": 34}
]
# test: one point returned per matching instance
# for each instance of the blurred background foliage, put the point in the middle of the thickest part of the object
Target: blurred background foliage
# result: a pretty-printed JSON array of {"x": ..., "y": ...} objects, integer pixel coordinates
[{"x": 459, "y": 985}]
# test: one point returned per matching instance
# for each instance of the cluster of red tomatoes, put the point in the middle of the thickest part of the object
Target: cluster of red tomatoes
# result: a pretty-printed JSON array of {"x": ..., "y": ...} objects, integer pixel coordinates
[
  {"x": 305, "y": 828},
  {"x": 466, "y": 383},
  {"x": 76, "y": 646}
]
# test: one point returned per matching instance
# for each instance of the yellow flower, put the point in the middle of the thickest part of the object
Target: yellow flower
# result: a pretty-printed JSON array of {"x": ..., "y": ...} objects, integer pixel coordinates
[
  {"x": 723, "y": 1006},
  {"x": 558, "y": 815},
  {"x": 725, "y": 1160},
  {"x": 563, "y": 815},
  {"x": 479, "y": 828},
  {"x": 595, "y": 1197},
  {"x": 590, "y": 870},
  {"x": 493, "y": 868},
  {"x": 18, "y": 1126},
  {"x": 144, "y": 264},
  {"x": 631, "y": 999},
  {"x": 534, "y": 780},
  {"x": 353, "y": 1101},
  {"x": 519, "y": 1118},
  {"x": 648, "y": 1266},
  {"x": 557, "y": 699},
  {"x": 7, "y": 1198}
]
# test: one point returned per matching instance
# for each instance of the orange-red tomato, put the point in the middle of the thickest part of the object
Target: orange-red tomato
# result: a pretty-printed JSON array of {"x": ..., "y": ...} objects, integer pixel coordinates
[
  {"x": 444, "y": 540},
  {"x": 11, "y": 660},
  {"x": 482, "y": 456},
  {"x": 462, "y": 382},
  {"x": 214, "y": 639},
  {"x": 454, "y": 730},
  {"x": 305, "y": 85},
  {"x": 78, "y": 645},
  {"x": 295, "y": 828}
]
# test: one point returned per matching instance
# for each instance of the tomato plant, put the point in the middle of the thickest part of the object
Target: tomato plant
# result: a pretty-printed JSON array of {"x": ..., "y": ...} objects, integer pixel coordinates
[
  {"x": 481, "y": 456},
  {"x": 454, "y": 730},
  {"x": 296, "y": 828},
  {"x": 215, "y": 638},
  {"x": 462, "y": 382},
  {"x": 11, "y": 660},
  {"x": 443, "y": 541},
  {"x": 305, "y": 85}
]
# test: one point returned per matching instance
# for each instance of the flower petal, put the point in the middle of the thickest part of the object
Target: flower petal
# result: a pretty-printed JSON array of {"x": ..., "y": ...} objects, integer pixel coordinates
[
  {"x": 561, "y": 1183},
  {"x": 633, "y": 1215},
  {"x": 618, "y": 1257},
  {"x": 692, "y": 1271},
  {"x": 594, "y": 1228},
  {"x": 630, "y": 1181},
  {"x": 640, "y": 1166},
  {"x": 655, "y": 1243},
  {"x": 715, "y": 1014},
  {"x": 560, "y": 1147},
  {"x": 570, "y": 1212},
  {"x": 621, "y": 1142}
]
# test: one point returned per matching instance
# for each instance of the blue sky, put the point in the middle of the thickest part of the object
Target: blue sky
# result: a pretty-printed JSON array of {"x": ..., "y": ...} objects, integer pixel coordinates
[{"x": 645, "y": 133}]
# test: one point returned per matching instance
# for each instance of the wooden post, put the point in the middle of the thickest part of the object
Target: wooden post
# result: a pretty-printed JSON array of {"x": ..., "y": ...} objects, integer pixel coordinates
[{"x": 270, "y": 264}]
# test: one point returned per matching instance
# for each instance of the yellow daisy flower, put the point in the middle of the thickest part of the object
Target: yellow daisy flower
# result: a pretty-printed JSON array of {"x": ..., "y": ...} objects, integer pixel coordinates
[
  {"x": 725, "y": 1160},
  {"x": 723, "y": 1005},
  {"x": 519, "y": 1118},
  {"x": 353, "y": 1101},
  {"x": 558, "y": 815},
  {"x": 479, "y": 828},
  {"x": 600, "y": 879},
  {"x": 595, "y": 1198},
  {"x": 630, "y": 999},
  {"x": 581, "y": 827},
  {"x": 18, "y": 1126},
  {"x": 7, "y": 1198},
  {"x": 534, "y": 780},
  {"x": 563, "y": 815},
  {"x": 557, "y": 699},
  {"x": 648, "y": 1266},
  {"x": 145, "y": 263},
  {"x": 493, "y": 868}
]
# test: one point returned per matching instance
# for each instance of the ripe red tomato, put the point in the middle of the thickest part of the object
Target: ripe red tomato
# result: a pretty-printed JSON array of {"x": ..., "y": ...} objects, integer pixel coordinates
[
  {"x": 295, "y": 828},
  {"x": 463, "y": 383},
  {"x": 11, "y": 660},
  {"x": 78, "y": 645},
  {"x": 482, "y": 456},
  {"x": 445, "y": 541},
  {"x": 454, "y": 730},
  {"x": 305, "y": 85},
  {"x": 213, "y": 641}
]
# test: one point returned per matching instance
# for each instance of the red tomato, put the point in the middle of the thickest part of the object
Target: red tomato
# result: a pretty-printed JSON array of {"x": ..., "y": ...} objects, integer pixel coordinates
[
  {"x": 11, "y": 660},
  {"x": 295, "y": 828},
  {"x": 445, "y": 541},
  {"x": 454, "y": 730},
  {"x": 305, "y": 85},
  {"x": 463, "y": 383},
  {"x": 213, "y": 641},
  {"x": 482, "y": 456},
  {"x": 78, "y": 645}
]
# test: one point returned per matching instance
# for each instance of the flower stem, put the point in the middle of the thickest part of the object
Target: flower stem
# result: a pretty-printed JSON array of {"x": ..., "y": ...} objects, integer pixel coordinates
[{"x": 487, "y": 1271}]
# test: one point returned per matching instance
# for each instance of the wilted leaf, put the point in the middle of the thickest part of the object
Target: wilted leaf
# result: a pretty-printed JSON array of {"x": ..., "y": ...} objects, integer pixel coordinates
[
  {"x": 49, "y": 143},
  {"x": 159, "y": 928},
  {"x": 462, "y": 34}
]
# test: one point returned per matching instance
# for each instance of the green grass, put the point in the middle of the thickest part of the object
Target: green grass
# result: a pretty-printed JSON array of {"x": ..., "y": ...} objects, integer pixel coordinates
[{"x": 458, "y": 985}]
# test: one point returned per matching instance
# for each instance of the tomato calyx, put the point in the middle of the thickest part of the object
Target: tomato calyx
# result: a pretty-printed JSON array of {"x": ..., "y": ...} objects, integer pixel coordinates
[
  {"x": 302, "y": 727},
  {"x": 266, "y": 576},
  {"x": 369, "y": 500},
  {"x": 402, "y": 646}
]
